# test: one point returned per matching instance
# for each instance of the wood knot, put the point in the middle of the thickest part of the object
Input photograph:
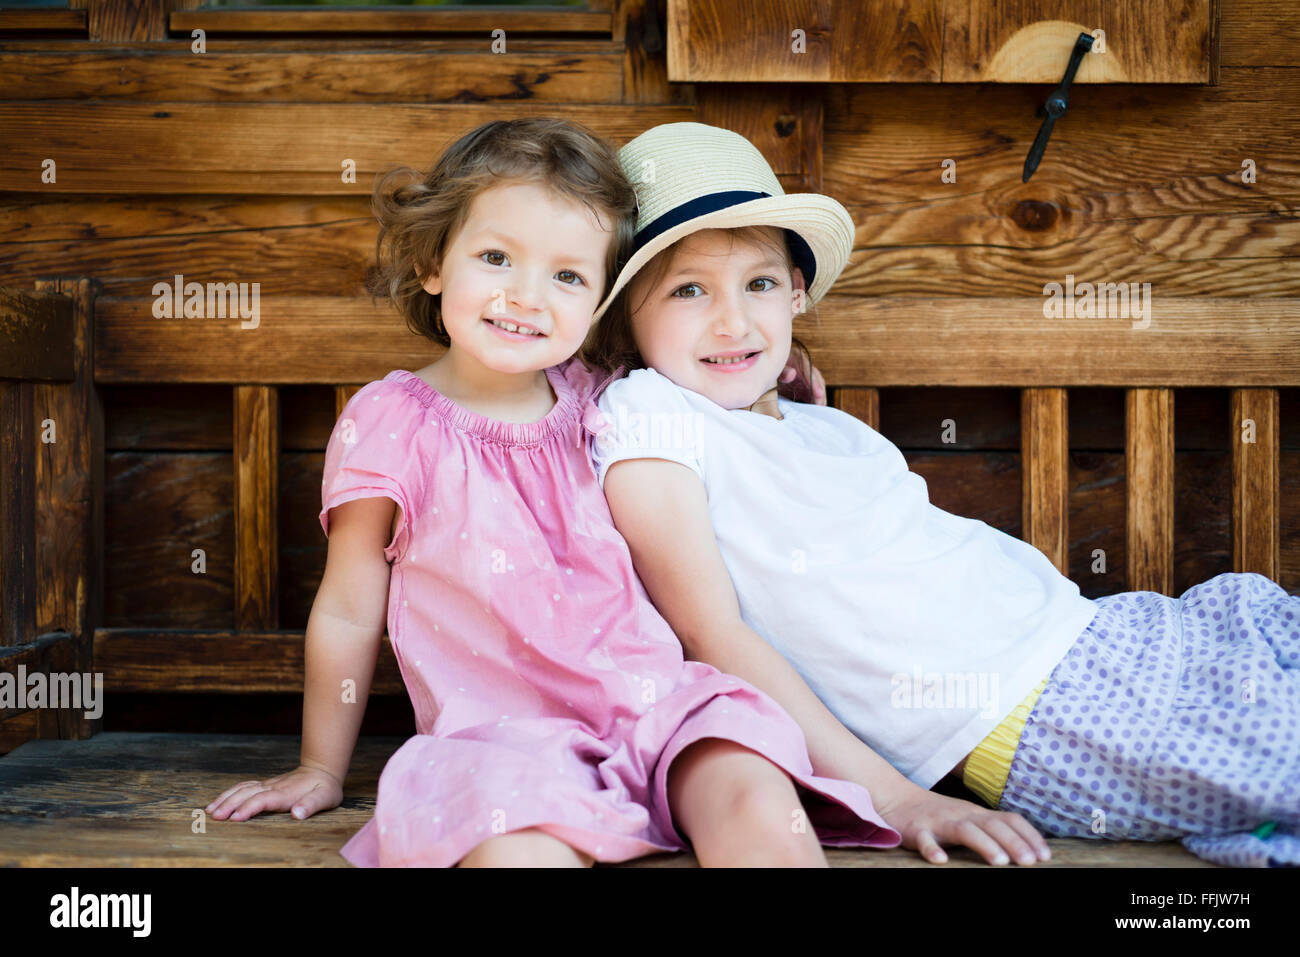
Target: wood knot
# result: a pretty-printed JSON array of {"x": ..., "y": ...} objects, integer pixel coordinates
[{"x": 1035, "y": 215}]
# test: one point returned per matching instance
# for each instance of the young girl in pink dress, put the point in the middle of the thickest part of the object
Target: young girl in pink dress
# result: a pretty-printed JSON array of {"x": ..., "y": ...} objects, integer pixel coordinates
[{"x": 557, "y": 720}]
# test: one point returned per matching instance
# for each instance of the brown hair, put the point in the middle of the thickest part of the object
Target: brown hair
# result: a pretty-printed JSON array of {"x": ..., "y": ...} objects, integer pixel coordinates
[
  {"x": 610, "y": 343},
  {"x": 418, "y": 220}
]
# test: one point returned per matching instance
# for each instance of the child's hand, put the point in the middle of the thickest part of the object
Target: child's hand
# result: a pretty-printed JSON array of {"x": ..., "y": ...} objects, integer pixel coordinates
[
  {"x": 799, "y": 387},
  {"x": 926, "y": 820},
  {"x": 305, "y": 790}
]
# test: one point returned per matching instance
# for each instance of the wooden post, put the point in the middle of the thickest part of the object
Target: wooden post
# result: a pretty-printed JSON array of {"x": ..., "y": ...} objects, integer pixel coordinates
[
  {"x": 257, "y": 451},
  {"x": 1256, "y": 482},
  {"x": 342, "y": 395},
  {"x": 51, "y": 506},
  {"x": 1045, "y": 473},
  {"x": 125, "y": 21},
  {"x": 859, "y": 401},
  {"x": 17, "y": 526},
  {"x": 1149, "y": 491},
  {"x": 640, "y": 25},
  {"x": 69, "y": 507}
]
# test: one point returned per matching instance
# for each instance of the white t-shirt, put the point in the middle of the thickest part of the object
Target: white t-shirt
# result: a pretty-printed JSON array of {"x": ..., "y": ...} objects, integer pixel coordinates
[{"x": 919, "y": 629}]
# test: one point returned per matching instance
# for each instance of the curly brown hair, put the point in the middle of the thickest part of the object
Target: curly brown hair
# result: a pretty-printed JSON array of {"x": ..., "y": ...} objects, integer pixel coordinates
[
  {"x": 610, "y": 344},
  {"x": 419, "y": 214}
]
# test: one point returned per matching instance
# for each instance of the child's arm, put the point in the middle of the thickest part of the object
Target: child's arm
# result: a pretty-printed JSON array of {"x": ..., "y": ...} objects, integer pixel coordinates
[
  {"x": 661, "y": 510},
  {"x": 344, "y": 631}
]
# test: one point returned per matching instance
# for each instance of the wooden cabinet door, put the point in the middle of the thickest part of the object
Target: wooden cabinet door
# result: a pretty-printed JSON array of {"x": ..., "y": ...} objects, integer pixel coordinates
[{"x": 940, "y": 41}]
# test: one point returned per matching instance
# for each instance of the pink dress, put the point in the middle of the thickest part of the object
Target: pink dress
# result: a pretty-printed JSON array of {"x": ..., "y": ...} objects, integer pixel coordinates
[{"x": 548, "y": 691}]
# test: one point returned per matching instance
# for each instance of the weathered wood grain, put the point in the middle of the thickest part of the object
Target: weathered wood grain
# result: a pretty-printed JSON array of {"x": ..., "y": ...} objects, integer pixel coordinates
[
  {"x": 18, "y": 433},
  {"x": 257, "y": 456},
  {"x": 245, "y": 148},
  {"x": 129, "y": 800},
  {"x": 1149, "y": 480},
  {"x": 1258, "y": 33},
  {"x": 35, "y": 329},
  {"x": 1131, "y": 188},
  {"x": 174, "y": 73},
  {"x": 1256, "y": 482},
  {"x": 169, "y": 529},
  {"x": 69, "y": 492},
  {"x": 120, "y": 21},
  {"x": 939, "y": 41},
  {"x": 46, "y": 653},
  {"x": 239, "y": 662},
  {"x": 988, "y": 342},
  {"x": 314, "y": 245},
  {"x": 42, "y": 21},
  {"x": 863, "y": 403},
  {"x": 897, "y": 42},
  {"x": 1045, "y": 468},
  {"x": 320, "y": 43},
  {"x": 1029, "y": 41},
  {"x": 639, "y": 25},
  {"x": 407, "y": 21}
]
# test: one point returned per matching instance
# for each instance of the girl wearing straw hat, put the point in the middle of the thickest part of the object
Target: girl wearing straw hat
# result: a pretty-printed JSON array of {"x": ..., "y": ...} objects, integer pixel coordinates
[{"x": 787, "y": 543}]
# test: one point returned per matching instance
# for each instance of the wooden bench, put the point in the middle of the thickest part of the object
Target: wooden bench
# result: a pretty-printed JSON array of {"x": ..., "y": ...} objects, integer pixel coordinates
[{"x": 74, "y": 796}]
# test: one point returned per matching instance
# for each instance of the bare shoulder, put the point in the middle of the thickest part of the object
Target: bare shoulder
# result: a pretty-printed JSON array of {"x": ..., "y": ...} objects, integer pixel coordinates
[{"x": 651, "y": 488}]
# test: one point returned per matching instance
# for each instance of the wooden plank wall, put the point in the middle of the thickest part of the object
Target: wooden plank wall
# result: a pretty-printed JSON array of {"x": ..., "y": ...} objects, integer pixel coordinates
[
  {"x": 1139, "y": 182},
  {"x": 1144, "y": 184}
]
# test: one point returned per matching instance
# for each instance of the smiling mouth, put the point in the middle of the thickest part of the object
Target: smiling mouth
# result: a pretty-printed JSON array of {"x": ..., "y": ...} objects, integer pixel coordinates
[
  {"x": 515, "y": 328},
  {"x": 730, "y": 360}
]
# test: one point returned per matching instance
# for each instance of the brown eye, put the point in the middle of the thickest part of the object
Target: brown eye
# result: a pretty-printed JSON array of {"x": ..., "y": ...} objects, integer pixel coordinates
[
  {"x": 689, "y": 285},
  {"x": 494, "y": 253},
  {"x": 763, "y": 279}
]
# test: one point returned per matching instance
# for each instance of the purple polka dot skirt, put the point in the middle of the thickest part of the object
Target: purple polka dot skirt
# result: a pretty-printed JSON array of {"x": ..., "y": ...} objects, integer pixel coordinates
[{"x": 1173, "y": 718}]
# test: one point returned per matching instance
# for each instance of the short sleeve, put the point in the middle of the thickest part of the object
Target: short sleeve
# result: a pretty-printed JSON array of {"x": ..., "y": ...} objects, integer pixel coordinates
[
  {"x": 647, "y": 418},
  {"x": 371, "y": 454}
]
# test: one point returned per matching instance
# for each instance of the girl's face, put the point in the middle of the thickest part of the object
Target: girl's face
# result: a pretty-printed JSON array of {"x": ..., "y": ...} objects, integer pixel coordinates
[
  {"x": 717, "y": 301},
  {"x": 526, "y": 257}
]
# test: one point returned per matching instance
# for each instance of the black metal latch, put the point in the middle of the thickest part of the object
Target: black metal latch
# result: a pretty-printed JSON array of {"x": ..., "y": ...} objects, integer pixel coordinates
[{"x": 1055, "y": 106}]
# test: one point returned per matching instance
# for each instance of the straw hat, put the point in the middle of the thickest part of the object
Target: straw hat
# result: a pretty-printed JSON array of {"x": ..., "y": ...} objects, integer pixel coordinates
[{"x": 689, "y": 176}]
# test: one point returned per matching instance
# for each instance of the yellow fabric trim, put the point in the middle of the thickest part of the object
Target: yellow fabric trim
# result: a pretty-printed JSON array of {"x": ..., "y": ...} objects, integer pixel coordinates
[{"x": 989, "y": 764}]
